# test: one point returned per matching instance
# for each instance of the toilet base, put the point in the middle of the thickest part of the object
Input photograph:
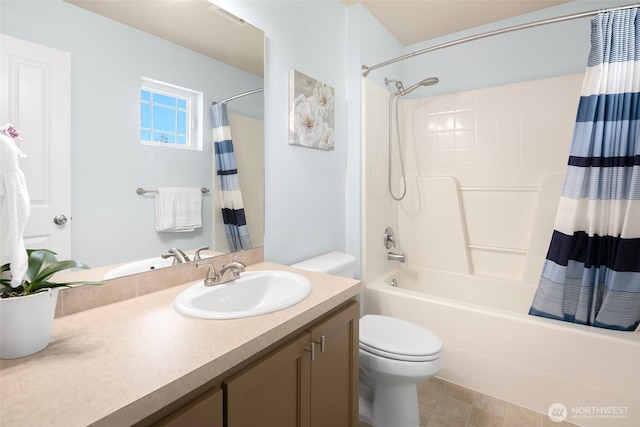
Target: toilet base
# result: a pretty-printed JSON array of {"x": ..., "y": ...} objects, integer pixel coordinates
[
  {"x": 389, "y": 405},
  {"x": 365, "y": 411}
]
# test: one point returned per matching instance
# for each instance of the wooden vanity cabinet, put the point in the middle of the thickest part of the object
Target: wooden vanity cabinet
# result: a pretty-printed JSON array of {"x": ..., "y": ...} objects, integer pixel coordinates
[
  {"x": 205, "y": 411},
  {"x": 310, "y": 381},
  {"x": 273, "y": 391}
]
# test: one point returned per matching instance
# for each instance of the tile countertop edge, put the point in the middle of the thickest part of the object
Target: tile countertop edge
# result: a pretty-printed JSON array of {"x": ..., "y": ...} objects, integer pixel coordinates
[{"x": 268, "y": 329}]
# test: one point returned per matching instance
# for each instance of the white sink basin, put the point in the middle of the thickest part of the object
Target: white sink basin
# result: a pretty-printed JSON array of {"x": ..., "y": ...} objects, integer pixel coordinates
[
  {"x": 254, "y": 293},
  {"x": 140, "y": 266},
  {"x": 136, "y": 267}
]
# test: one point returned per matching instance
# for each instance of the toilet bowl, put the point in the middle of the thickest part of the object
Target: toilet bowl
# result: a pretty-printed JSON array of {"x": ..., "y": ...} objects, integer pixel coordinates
[{"x": 395, "y": 355}]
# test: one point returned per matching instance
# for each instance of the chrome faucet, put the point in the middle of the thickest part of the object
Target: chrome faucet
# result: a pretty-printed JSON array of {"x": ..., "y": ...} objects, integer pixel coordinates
[
  {"x": 392, "y": 256},
  {"x": 213, "y": 277},
  {"x": 197, "y": 256},
  {"x": 234, "y": 268},
  {"x": 179, "y": 257}
]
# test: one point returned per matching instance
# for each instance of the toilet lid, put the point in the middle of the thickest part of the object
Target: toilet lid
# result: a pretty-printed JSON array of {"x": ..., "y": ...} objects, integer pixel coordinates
[{"x": 398, "y": 339}]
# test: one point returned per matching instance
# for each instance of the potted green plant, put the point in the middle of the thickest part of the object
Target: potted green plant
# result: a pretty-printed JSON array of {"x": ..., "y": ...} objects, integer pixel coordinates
[{"x": 27, "y": 311}]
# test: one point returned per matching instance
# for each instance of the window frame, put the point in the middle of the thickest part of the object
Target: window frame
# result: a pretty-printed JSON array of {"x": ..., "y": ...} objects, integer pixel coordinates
[{"x": 194, "y": 113}]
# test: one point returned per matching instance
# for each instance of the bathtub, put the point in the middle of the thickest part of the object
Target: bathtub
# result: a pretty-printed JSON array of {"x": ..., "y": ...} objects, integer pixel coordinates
[{"x": 493, "y": 346}]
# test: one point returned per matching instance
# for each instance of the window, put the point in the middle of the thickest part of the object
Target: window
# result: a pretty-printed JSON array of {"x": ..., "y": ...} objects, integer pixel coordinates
[{"x": 170, "y": 116}]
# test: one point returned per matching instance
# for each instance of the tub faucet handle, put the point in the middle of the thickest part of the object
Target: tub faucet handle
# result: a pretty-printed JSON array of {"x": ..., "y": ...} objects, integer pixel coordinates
[{"x": 389, "y": 238}]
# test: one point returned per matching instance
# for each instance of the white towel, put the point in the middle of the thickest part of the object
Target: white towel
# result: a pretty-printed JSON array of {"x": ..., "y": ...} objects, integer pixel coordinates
[
  {"x": 178, "y": 209},
  {"x": 14, "y": 210}
]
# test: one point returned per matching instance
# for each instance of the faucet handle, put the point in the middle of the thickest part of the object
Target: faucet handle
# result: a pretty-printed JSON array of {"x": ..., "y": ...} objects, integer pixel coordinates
[
  {"x": 180, "y": 255},
  {"x": 235, "y": 258},
  {"x": 241, "y": 255},
  {"x": 213, "y": 276},
  {"x": 169, "y": 255},
  {"x": 197, "y": 256},
  {"x": 389, "y": 238}
]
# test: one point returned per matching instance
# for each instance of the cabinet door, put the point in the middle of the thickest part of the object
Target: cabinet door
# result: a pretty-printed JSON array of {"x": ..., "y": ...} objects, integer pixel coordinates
[
  {"x": 334, "y": 372},
  {"x": 204, "y": 411},
  {"x": 273, "y": 392}
]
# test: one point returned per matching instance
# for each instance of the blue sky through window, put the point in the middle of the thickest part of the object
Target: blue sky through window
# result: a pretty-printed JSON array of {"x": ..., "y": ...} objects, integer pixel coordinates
[{"x": 163, "y": 118}]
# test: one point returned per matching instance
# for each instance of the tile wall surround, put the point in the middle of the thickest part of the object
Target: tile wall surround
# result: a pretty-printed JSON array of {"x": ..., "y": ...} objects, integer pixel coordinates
[
  {"x": 506, "y": 149},
  {"x": 74, "y": 300}
]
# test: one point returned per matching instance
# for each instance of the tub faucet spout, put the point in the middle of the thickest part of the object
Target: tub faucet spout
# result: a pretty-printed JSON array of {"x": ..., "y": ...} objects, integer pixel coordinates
[{"x": 392, "y": 256}]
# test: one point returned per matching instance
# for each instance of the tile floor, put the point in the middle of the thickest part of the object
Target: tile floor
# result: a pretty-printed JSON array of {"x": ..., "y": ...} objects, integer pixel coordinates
[{"x": 444, "y": 404}]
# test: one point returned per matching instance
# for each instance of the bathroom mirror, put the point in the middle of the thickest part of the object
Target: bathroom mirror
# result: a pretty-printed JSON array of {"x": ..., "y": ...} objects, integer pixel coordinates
[{"x": 112, "y": 44}]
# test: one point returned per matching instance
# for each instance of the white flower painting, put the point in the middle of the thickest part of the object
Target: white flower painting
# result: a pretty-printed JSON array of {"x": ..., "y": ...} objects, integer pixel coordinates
[{"x": 311, "y": 112}]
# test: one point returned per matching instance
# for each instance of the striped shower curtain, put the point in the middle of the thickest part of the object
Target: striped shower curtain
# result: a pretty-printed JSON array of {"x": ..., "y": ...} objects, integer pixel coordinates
[
  {"x": 592, "y": 271},
  {"x": 235, "y": 223}
]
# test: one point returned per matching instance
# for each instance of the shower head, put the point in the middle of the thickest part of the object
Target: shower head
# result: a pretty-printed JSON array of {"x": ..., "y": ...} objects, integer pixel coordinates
[{"x": 429, "y": 81}]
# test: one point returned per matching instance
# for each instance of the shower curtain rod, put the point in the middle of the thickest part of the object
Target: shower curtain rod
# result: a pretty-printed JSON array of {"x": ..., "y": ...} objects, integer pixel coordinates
[
  {"x": 366, "y": 70},
  {"x": 251, "y": 92}
]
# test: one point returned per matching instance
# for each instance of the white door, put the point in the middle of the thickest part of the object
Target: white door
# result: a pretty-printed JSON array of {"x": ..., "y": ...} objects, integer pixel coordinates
[{"x": 35, "y": 98}]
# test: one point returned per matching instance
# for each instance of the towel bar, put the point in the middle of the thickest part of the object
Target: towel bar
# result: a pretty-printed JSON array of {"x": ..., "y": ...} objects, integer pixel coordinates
[{"x": 140, "y": 191}]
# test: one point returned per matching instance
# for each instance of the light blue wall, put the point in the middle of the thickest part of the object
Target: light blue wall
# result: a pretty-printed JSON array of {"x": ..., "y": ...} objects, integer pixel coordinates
[
  {"x": 367, "y": 42},
  {"x": 111, "y": 223},
  {"x": 312, "y": 197},
  {"x": 304, "y": 188}
]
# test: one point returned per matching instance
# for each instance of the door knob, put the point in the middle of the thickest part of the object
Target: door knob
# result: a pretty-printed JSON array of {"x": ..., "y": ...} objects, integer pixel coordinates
[{"x": 60, "y": 219}]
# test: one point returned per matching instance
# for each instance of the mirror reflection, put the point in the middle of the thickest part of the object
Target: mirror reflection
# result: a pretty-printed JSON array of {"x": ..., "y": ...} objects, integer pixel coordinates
[{"x": 113, "y": 46}]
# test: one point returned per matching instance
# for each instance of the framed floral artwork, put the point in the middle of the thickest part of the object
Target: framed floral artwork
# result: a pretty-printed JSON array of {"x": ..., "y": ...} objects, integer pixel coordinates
[{"x": 311, "y": 106}]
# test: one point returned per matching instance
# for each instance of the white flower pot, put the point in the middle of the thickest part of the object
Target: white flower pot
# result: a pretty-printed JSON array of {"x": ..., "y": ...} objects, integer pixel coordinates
[{"x": 25, "y": 323}]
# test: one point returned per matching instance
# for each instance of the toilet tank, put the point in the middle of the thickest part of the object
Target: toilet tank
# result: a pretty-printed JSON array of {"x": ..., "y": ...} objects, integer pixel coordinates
[{"x": 336, "y": 263}]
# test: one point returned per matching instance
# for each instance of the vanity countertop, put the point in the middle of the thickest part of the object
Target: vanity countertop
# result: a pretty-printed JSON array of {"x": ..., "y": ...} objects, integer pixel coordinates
[{"x": 119, "y": 363}]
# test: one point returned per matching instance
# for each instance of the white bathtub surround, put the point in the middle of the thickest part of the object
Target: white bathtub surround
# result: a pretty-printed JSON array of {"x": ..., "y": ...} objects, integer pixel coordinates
[
  {"x": 494, "y": 347},
  {"x": 484, "y": 170}
]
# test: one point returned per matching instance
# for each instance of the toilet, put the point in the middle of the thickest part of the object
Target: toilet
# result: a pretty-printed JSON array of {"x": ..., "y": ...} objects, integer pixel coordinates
[{"x": 395, "y": 355}]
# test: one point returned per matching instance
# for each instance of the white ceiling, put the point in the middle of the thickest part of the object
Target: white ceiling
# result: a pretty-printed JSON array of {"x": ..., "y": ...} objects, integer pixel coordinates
[
  {"x": 413, "y": 21},
  {"x": 195, "y": 24},
  {"x": 202, "y": 27}
]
